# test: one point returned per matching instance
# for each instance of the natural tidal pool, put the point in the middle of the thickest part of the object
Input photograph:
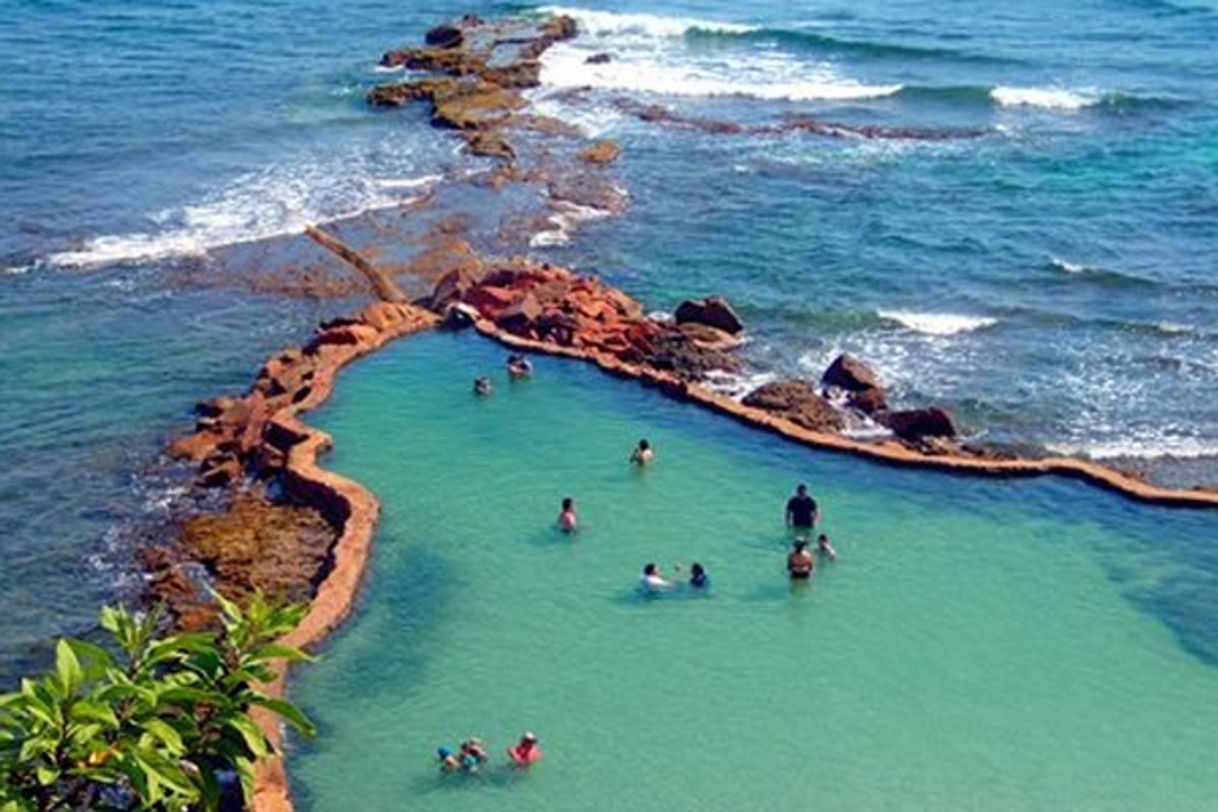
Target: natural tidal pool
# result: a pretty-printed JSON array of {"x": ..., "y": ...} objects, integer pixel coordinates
[{"x": 979, "y": 644}]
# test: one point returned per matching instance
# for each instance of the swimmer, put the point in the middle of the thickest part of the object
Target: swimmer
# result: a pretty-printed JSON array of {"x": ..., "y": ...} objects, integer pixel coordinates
[
  {"x": 652, "y": 581},
  {"x": 642, "y": 453},
  {"x": 567, "y": 518},
  {"x": 698, "y": 579},
  {"x": 526, "y": 751},
  {"x": 802, "y": 510},
  {"x": 473, "y": 754},
  {"x": 519, "y": 367},
  {"x": 800, "y": 563},
  {"x": 449, "y": 763},
  {"x": 483, "y": 386},
  {"x": 823, "y": 546}
]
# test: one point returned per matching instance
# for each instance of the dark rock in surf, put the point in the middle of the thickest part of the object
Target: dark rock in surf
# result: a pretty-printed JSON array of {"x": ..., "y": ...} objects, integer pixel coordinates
[
  {"x": 917, "y": 425},
  {"x": 714, "y": 311},
  {"x": 862, "y": 386}
]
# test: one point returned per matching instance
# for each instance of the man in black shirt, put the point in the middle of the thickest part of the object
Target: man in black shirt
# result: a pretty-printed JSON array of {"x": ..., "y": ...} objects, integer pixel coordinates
[{"x": 802, "y": 512}]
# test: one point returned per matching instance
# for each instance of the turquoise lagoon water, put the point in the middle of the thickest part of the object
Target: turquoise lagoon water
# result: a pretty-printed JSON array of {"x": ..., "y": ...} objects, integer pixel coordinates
[{"x": 1023, "y": 644}]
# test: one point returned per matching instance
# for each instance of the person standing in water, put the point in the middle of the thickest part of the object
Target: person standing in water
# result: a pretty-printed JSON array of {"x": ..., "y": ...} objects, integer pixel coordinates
[
  {"x": 698, "y": 579},
  {"x": 803, "y": 513},
  {"x": 800, "y": 563},
  {"x": 567, "y": 518},
  {"x": 653, "y": 582},
  {"x": 483, "y": 386},
  {"x": 525, "y": 751},
  {"x": 642, "y": 454},
  {"x": 519, "y": 367}
]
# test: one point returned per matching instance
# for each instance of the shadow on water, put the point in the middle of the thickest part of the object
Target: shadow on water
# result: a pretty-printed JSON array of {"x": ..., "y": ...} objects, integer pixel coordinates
[{"x": 497, "y": 777}]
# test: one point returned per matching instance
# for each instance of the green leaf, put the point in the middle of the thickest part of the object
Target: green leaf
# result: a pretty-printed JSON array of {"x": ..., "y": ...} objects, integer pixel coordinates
[
  {"x": 67, "y": 668},
  {"x": 254, "y": 738},
  {"x": 289, "y": 712},
  {"x": 46, "y": 775},
  {"x": 275, "y": 651},
  {"x": 97, "y": 658},
  {"x": 166, "y": 734}
]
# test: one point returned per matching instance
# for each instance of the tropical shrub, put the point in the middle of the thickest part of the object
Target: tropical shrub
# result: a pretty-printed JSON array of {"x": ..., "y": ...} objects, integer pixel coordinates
[{"x": 157, "y": 723}]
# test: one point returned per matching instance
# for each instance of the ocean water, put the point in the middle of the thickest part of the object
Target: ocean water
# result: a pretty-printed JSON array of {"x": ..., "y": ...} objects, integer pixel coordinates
[
  {"x": 1002, "y": 644},
  {"x": 1044, "y": 265}
]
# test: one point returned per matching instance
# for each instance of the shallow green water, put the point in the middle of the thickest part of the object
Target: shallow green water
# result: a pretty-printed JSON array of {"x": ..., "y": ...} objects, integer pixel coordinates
[{"x": 979, "y": 645}]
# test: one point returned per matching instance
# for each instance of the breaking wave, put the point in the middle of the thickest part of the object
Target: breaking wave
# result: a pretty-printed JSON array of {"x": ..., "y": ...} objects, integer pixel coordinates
[{"x": 936, "y": 324}]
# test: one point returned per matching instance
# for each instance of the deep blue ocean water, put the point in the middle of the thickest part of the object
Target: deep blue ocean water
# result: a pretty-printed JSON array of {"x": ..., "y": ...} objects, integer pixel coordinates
[{"x": 1053, "y": 276}]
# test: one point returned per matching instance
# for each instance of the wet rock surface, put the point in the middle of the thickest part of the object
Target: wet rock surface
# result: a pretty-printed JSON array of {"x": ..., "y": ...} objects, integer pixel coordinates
[{"x": 799, "y": 402}]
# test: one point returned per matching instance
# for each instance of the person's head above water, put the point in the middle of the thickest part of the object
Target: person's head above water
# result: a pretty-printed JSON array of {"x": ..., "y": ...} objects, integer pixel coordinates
[
  {"x": 697, "y": 570},
  {"x": 800, "y": 544},
  {"x": 822, "y": 539},
  {"x": 801, "y": 489},
  {"x": 644, "y": 445},
  {"x": 650, "y": 569},
  {"x": 568, "y": 504}
]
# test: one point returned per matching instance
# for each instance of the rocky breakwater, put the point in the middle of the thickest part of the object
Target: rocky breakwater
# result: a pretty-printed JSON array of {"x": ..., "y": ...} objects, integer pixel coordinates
[
  {"x": 475, "y": 72},
  {"x": 549, "y": 306},
  {"x": 545, "y": 306},
  {"x": 253, "y": 445}
]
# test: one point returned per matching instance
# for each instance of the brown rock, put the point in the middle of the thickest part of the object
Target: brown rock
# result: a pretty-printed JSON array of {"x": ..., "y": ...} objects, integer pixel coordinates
[
  {"x": 479, "y": 109},
  {"x": 521, "y": 316},
  {"x": 916, "y": 425},
  {"x": 398, "y": 94},
  {"x": 799, "y": 402},
  {"x": 598, "y": 59},
  {"x": 714, "y": 311},
  {"x": 868, "y": 401},
  {"x": 195, "y": 447},
  {"x": 707, "y": 337},
  {"x": 381, "y": 316},
  {"x": 445, "y": 36},
  {"x": 489, "y": 144},
  {"x": 452, "y": 287},
  {"x": 347, "y": 335},
  {"x": 849, "y": 373},
  {"x": 602, "y": 152}
]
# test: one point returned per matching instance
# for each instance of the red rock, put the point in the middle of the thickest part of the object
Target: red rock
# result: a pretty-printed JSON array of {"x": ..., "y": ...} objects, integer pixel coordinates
[
  {"x": 868, "y": 401},
  {"x": 347, "y": 335},
  {"x": 490, "y": 300},
  {"x": 714, "y": 311}
]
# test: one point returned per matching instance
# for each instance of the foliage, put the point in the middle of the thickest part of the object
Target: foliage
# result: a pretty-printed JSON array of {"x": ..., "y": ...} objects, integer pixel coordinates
[{"x": 154, "y": 725}]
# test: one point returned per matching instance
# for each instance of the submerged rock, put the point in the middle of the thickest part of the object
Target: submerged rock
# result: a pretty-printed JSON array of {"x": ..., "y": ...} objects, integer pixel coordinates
[
  {"x": 602, "y": 152},
  {"x": 714, "y": 311}
]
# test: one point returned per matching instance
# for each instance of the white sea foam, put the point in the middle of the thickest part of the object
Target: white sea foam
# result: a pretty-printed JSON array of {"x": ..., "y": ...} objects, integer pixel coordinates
[
  {"x": 608, "y": 23},
  {"x": 1068, "y": 267},
  {"x": 647, "y": 55},
  {"x": 736, "y": 385},
  {"x": 936, "y": 324},
  {"x": 1144, "y": 446},
  {"x": 1048, "y": 97},
  {"x": 566, "y": 217},
  {"x": 273, "y": 202}
]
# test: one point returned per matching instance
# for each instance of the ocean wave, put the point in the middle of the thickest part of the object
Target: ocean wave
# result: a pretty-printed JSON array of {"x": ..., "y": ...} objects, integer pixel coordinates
[
  {"x": 608, "y": 23},
  {"x": 649, "y": 54},
  {"x": 1047, "y": 97},
  {"x": 936, "y": 324},
  {"x": 1093, "y": 274},
  {"x": 275, "y": 202},
  {"x": 816, "y": 41}
]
